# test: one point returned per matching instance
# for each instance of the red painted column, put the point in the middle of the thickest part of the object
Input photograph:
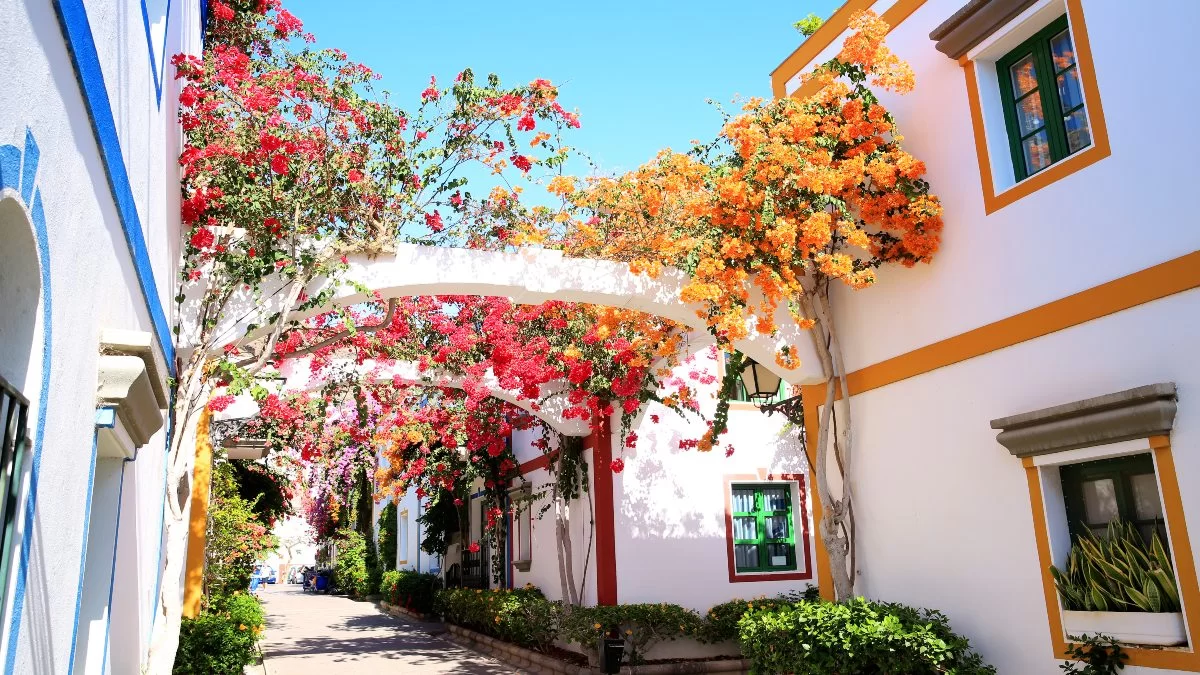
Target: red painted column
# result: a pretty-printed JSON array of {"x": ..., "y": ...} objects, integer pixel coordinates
[{"x": 606, "y": 546}]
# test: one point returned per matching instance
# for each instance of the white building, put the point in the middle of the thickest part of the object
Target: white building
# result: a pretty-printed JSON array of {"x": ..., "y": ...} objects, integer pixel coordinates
[{"x": 89, "y": 243}]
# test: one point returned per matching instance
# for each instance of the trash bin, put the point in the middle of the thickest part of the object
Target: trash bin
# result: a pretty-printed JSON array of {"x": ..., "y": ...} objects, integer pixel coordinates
[{"x": 612, "y": 650}]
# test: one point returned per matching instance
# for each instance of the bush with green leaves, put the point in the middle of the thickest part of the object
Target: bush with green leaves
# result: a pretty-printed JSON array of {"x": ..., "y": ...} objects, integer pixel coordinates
[
  {"x": 387, "y": 537},
  {"x": 1117, "y": 573},
  {"x": 642, "y": 626},
  {"x": 237, "y": 537},
  {"x": 410, "y": 589},
  {"x": 351, "y": 572},
  {"x": 723, "y": 618},
  {"x": 522, "y": 616},
  {"x": 858, "y": 636},
  {"x": 221, "y": 640},
  {"x": 1094, "y": 655}
]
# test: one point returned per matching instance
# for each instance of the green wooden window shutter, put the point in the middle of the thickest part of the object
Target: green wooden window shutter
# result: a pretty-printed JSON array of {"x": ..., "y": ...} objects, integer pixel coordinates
[
  {"x": 764, "y": 536},
  {"x": 1124, "y": 487},
  {"x": 1042, "y": 96}
]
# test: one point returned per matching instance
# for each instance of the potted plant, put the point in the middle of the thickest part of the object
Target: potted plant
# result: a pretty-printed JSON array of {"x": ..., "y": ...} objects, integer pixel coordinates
[{"x": 1119, "y": 586}]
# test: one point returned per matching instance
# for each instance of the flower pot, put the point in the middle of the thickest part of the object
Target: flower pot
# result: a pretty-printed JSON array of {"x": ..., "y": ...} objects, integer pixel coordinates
[{"x": 1162, "y": 629}]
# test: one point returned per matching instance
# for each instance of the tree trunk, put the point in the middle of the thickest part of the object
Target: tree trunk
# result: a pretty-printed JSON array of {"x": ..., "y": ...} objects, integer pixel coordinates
[
  {"x": 833, "y": 440},
  {"x": 165, "y": 638}
]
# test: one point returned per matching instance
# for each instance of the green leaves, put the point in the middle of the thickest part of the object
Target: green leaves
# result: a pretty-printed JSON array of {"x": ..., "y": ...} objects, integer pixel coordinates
[{"x": 1117, "y": 573}]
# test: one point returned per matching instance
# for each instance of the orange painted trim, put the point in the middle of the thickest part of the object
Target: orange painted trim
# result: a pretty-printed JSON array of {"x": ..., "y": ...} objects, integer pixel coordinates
[
  {"x": 762, "y": 476},
  {"x": 193, "y": 591},
  {"x": 803, "y": 56},
  {"x": 1148, "y": 285},
  {"x": 1099, "y": 149},
  {"x": 600, "y": 441},
  {"x": 1187, "y": 659},
  {"x": 813, "y": 395}
]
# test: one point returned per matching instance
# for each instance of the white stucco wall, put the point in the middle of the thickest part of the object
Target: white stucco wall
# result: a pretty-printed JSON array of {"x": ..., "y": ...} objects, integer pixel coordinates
[{"x": 94, "y": 286}]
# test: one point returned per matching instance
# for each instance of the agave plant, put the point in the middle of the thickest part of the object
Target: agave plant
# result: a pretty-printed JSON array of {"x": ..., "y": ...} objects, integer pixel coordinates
[{"x": 1117, "y": 573}]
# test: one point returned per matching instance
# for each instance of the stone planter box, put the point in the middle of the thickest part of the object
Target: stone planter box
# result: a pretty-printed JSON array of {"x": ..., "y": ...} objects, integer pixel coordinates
[{"x": 1162, "y": 629}]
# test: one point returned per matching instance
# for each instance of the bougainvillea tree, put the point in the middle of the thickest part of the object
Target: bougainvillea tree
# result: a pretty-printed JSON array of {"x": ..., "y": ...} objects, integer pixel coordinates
[
  {"x": 793, "y": 197},
  {"x": 291, "y": 162}
]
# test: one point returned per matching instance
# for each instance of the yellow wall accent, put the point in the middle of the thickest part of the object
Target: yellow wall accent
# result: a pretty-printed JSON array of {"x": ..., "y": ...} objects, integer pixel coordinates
[
  {"x": 1181, "y": 549},
  {"x": 813, "y": 395},
  {"x": 1099, "y": 149},
  {"x": 193, "y": 590},
  {"x": 830, "y": 31}
]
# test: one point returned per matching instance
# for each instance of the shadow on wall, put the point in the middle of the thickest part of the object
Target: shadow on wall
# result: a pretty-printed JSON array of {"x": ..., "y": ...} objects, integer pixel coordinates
[{"x": 20, "y": 289}]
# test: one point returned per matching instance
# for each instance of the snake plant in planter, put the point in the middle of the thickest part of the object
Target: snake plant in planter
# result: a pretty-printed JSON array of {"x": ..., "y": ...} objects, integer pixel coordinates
[{"x": 1119, "y": 586}]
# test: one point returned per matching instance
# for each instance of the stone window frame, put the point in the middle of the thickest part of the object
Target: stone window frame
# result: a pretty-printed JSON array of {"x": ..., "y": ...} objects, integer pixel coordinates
[{"x": 1130, "y": 422}]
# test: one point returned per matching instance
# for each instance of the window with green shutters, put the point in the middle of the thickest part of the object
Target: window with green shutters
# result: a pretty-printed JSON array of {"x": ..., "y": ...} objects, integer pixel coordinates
[
  {"x": 1044, "y": 110},
  {"x": 764, "y": 536}
]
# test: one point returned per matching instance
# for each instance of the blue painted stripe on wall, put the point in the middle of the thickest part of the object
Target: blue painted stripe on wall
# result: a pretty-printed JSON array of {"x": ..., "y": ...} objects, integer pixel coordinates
[
  {"x": 29, "y": 167},
  {"x": 158, "y": 66},
  {"x": 10, "y": 167},
  {"x": 43, "y": 241},
  {"x": 82, "y": 45},
  {"x": 87, "y": 525}
]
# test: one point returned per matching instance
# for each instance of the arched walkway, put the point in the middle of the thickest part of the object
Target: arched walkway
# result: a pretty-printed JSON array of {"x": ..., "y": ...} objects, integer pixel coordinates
[{"x": 528, "y": 276}]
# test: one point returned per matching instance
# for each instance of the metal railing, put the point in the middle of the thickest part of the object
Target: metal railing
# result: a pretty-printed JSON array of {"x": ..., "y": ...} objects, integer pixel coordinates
[{"x": 14, "y": 438}]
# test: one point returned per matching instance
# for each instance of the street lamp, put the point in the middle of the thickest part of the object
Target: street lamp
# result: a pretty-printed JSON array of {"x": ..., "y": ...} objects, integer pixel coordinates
[{"x": 762, "y": 385}]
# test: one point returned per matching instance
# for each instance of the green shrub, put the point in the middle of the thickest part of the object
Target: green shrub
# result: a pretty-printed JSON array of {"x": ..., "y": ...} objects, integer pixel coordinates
[
  {"x": 387, "y": 538},
  {"x": 221, "y": 640},
  {"x": 411, "y": 590},
  {"x": 1117, "y": 573},
  {"x": 522, "y": 616},
  {"x": 642, "y": 625},
  {"x": 859, "y": 636},
  {"x": 351, "y": 572},
  {"x": 723, "y": 618}
]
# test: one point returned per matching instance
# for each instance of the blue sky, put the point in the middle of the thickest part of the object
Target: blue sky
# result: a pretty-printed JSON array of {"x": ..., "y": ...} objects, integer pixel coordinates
[{"x": 639, "y": 72}]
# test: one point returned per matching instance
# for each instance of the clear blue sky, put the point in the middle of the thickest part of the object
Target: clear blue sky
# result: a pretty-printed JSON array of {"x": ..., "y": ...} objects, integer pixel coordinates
[{"x": 638, "y": 71}]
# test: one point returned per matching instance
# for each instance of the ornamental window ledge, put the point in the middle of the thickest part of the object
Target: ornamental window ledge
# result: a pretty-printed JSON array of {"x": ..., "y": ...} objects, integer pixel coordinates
[
  {"x": 1132, "y": 414},
  {"x": 130, "y": 385},
  {"x": 973, "y": 23}
]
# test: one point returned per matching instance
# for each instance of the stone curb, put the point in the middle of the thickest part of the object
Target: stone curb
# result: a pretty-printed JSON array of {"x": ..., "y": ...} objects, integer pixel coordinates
[
  {"x": 398, "y": 611},
  {"x": 538, "y": 662}
]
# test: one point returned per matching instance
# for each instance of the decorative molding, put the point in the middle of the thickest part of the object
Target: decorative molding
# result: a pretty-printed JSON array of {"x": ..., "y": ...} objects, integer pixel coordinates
[
  {"x": 973, "y": 23},
  {"x": 130, "y": 380},
  {"x": 1134, "y": 413}
]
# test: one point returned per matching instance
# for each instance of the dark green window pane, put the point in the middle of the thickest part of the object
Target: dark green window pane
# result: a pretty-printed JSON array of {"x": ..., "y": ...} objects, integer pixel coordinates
[
  {"x": 1078, "y": 135},
  {"x": 1146, "y": 504},
  {"x": 1024, "y": 76},
  {"x": 745, "y": 556},
  {"x": 1062, "y": 51},
  {"x": 1037, "y": 152},
  {"x": 1100, "y": 501},
  {"x": 745, "y": 527},
  {"x": 779, "y": 555},
  {"x": 1029, "y": 114},
  {"x": 1069, "y": 92},
  {"x": 743, "y": 500},
  {"x": 776, "y": 527},
  {"x": 775, "y": 499}
]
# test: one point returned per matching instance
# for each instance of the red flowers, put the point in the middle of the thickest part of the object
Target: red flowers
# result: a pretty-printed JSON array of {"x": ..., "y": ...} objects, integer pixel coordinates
[
  {"x": 354, "y": 176},
  {"x": 431, "y": 92},
  {"x": 526, "y": 123},
  {"x": 521, "y": 162},
  {"x": 219, "y": 403},
  {"x": 202, "y": 238},
  {"x": 474, "y": 547},
  {"x": 580, "y": 372},
  {"x": 279, "y": 164},
  {"x": 618, "y": 465},
  {"x": 434, "y": 221}
]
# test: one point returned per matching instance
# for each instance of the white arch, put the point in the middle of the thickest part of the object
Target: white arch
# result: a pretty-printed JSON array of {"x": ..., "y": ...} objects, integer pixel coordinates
[{"x": 528, "y": 276}]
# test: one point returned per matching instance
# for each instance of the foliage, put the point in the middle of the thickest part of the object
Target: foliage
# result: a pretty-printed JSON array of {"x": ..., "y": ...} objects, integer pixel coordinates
[
  {"x": 440, "y": 520},
  {"x": 387, "y": 537},
  {"x": 266, "y": 486},
  {"x": 351, "y": 572},
  {"x": 412, "y": 590},
  {"x": 809, "y": 25},
  {"x": 723, "y": 618},
  {"x": 1117, "y": 573},
  {"x": 522, "y": 616},
  {"x": 236, "y": 537},
  {"x": 221, "y": 640},
  {"x": 858, "y": 636},
  {"x": 1100, "y": 655},
  {"x": 642, "y": 625}
]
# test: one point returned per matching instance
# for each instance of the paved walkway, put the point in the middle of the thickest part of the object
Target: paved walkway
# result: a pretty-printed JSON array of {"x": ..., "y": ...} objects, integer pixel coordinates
[{"x": 331, "y": 635}]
